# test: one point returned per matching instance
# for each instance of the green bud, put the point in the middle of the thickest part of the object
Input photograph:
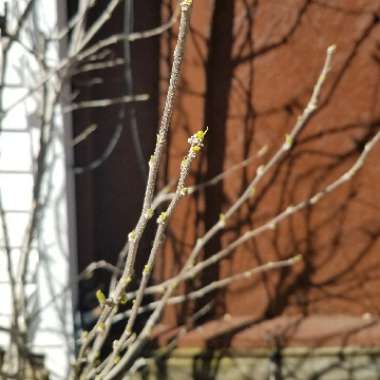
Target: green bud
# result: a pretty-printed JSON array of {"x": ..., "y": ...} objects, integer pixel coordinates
[{"x": 100, "y": 297}]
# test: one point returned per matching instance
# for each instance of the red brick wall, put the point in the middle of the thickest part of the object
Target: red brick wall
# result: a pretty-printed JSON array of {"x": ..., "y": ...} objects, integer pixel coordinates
[{"x": 249, "y": 69}]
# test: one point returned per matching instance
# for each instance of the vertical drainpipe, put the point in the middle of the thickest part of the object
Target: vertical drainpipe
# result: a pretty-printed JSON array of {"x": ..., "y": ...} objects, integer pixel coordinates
[{"x": 62, "y": 17}]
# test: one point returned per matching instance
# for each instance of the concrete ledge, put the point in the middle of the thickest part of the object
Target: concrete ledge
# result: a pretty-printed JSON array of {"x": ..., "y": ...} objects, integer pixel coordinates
[
  {"x": 349, "y": 363},
  {"x": 318, "y": 347}
]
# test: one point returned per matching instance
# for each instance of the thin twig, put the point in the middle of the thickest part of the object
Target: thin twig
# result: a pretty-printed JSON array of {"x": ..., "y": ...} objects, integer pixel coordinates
[
  {"x": 96, "y": 26},
  {"x": 20, "y": 24},
  {"x": 130, "y": 37},
  {"x": 165, "y": 196},
  {"x": 100, "y": 103},
  {"x": 285, "y": 148},
  {"x": 217, "y": 284},
  {"x": 196, "y": 143},
  {"x": 85, "y": 134}
]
